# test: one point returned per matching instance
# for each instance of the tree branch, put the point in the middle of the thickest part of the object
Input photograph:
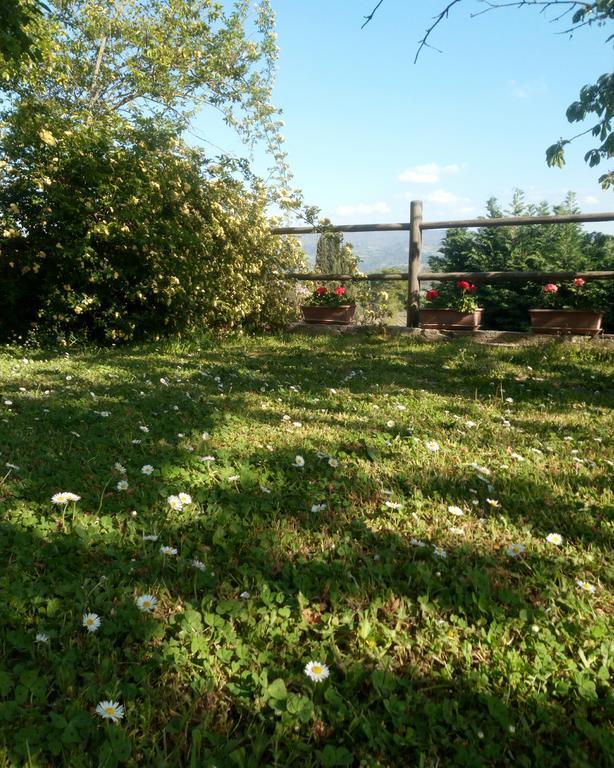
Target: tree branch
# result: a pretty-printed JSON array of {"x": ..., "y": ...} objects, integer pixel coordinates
[
  {"x": 438, "y": 19},
  {"x": 372, "y": 14}
]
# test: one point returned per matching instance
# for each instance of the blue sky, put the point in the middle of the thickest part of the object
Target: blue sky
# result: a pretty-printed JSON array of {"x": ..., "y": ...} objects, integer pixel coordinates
[{"x": 367, "y": 130}]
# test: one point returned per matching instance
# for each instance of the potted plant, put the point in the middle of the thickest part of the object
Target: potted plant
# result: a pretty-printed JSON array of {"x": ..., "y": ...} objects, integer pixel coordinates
[
  {"x": 326, "y": 306},
  {"x": 452, "y": 311},
  {"x": 570, "y": 309}
]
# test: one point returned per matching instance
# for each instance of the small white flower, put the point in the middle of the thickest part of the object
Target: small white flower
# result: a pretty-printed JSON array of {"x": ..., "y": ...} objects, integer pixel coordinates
[
  {"x": 417, "y": 543},
  {"x": 439, "y": 552},
  {"x": 174, "y": 502},
  {"x": 509, "y": 399},
  {"x": 166, "y": 550},
  {"x": 136, "y": 442},
  {"x": 11, "y": 466},
  {"x": 110, "y": 710},
  {"x": 493, "y": 503},
  {"x": 299, "y": 461},
  {"x": 205, "y": 436},
  {"x": 233, "y": 478},
  {"x": 515, "y": 549},
  {"x": 207, "y": 458},
  {"x": 8, "y": 402},
  {"x": 554, "y": 538},
  {"x": 390, "y": 424},
  {"x": 199, "y": 565},
  {"x": 480, "y": 734},
  {"x": 457, "y": 531},
  {"x": 119, "y": 468},
  {"x": 517, "y": 457},
  {"x": 400, "y": 407},
  {"x": 333, "y": 462},
  {"x": 185, "y": 498},
  {"x": 104, "y": 414},
  {"x": 264, "y": 489},
  {"x": 585, "y": 586},
  {"x": 297, "y": 424},
  {"x": 318, "y": 507},
  {"x": 316, "y": 671},
  {"x": 91, "y": 621},
  {"x": 432, "y": 446},
  {"x": 333, "y": 391},
  {"x": 147, "y": 469},
  {"x": 41, "y": 637},
  {"x": 393, "y": 504},
  {"x": 470, "y": 424},
  {"x": 150, "y": 537},
  {"x": 144, "y": 429},
  {"x": 285, "y": 417},
  {"x": 146, "y": 603},
  {"x": 456, "y": 511},
  {"x": 122, "y": 485},
  {"x": 64, "y": 497},
  {"x": 245, "y": 595}
]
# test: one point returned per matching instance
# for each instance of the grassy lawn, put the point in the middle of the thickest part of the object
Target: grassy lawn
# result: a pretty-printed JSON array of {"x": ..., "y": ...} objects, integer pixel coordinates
[{"x": 381, "y": 507}]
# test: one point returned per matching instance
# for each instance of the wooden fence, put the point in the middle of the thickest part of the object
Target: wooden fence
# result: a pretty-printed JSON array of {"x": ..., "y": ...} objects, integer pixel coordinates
[{"x": 416, "y": 227}]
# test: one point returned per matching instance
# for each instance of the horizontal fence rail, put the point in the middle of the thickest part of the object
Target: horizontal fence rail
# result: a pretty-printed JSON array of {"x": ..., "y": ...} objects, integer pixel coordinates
[{"x": 414, "y": 276}]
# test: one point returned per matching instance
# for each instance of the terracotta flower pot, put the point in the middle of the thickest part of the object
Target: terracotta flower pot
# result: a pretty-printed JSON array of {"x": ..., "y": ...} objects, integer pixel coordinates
[
  {"x": 342, "y": 315},
  {"x": 450, "y": 319},
  {"x": 568, "y": 321}
]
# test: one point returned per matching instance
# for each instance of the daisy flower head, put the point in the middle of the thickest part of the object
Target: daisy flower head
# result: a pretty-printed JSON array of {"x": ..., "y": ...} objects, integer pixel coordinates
[
  {"x": 456, "y": 511},
  {"x": 147, "y": 469},
  {"x": 184, "y": 498},
  {"x": 199, "y": 565},
  {"x": 432, "y": 446},
  {"x": 514, "y": 550},
  {"x": 110, "y": 710},
  {"x": 585, "y": 586},
  {"x": 554, "y": 538},
  {"x": 64, "y": 497},
  {"x": 299, "y": 461},
  {"x": 390, "y": 424},
  {"x": 91, "y": 621},
  {"x": 150, "y": 537},
  {"x": 316, "y": 671},
  {"x": 333, "y": 462},
  {"x": 440, "y": 553},
  {"x": 41, "y": 637},
  {"x": 119, "y": 468},
  {"x": 174, "y": 502},
  {"x": 318, "y": 507},
  {"x": 122, "y": 485},
  {"x": 146, "y": 603},
  {"x": 393, "y": 504},
  {"x": 166, "y": 550},
  {"x": 493, "y": 503}
]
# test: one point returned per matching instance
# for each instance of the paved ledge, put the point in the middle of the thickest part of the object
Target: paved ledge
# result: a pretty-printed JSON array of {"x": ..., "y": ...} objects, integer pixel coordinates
[{"x": 502, "y": 338}]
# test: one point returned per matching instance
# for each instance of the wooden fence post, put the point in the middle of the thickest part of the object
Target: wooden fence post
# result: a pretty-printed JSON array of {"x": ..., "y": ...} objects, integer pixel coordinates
[{"x": 415, "y": 251}]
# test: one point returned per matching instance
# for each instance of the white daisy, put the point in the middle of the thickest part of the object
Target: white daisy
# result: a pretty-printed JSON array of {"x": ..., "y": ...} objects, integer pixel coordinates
[
  {"x": 41, "y": 637},
  {"x": 110, "y": 710},
  {"x": 64, "y": 497},
  {"x": 144, "y": 429},
  {"x": 316, "y": 671},
  {"x": 245, "y": 595},
  {"x": 205, "y": 436},
  {"x": 174, "y": 502},
  {"x": 432, "y": 446},
  {"x": 185, "y": 498},
  {"x": 585, "y": 586},
  {"x": 515, "y": 549},
  {"x": 233, "y": 478},
  {"x": 299, "y": 461},
  {"x": 439, "y": 552},
  {"x": 393, "y": 504},
  {"x": 318, "y": 507},
  {"x": 390, "y": 424},
  {"x": 554, "y": 538},
  {"x": 493, "y": 503},
  {"x": 199, "y": 565},
  {"x": 150, "y": 537},
  {"x": 456, "y": 511},
  {"x": 457, "y": 531},
  {"x": 333, "y": 462},
  {"x": 207, "y": 458},
  {"x": 166, "y": 550},
  {"x": 417, "y": 543},
  {"x": 122, "y": 485},
  {"x": 147, "y": 469},
  {"x": 91, "y": 621},
  {"x": 264, "y": 489},
  {"x": 146, "y": 603},
  {"x": 119, "y": 468}
]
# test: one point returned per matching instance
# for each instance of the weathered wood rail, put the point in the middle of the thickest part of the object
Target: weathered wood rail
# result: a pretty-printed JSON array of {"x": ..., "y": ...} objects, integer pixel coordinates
[{"x": 415, "y": 226}]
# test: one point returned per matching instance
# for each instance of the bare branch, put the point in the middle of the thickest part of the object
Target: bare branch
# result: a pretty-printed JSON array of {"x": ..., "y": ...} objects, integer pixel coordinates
[
  {"x": 438, "y": 19},
  {"x": 372, "y": 14}
]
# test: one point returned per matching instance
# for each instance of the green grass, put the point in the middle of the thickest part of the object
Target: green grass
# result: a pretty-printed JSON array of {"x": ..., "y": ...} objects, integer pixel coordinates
[{"x": 475, "y": 659}]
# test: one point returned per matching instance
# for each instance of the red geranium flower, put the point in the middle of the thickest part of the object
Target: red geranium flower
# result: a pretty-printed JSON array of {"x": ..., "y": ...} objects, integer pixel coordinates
[
  {"x": 320, "y": 291},
  {"x": 340, "y": 290},
  {"x": 432, "y": 294},
  {"x": 472, "y": 288},
  {"x": 463, "y": 285},
  {"x": 579, "y": 282},
  {"x": 551, "y": 288}
]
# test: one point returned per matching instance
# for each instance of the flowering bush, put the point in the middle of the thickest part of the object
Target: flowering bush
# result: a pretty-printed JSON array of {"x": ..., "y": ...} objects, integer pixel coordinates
[
  {"x": 337, "y": 297},
  {"x": 574, "y": 295},
  {"x": 463, "y": 299}
]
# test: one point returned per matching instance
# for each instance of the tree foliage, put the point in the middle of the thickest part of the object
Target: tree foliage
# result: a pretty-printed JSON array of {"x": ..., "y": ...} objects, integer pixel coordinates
[
  {"x": 19, "y": 20},
  {"x": 333, "y": 256},
  {"x": 538, "y": 247}
]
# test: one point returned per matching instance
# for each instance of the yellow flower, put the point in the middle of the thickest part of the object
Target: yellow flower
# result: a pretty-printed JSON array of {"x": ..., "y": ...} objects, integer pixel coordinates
[{"x": 47, "y": 137}]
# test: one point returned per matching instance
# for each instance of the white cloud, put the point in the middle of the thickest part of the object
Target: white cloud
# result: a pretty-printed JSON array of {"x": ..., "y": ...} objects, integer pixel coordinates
[
  {"x": 590, "y": 200},
  {"x": 429, "y": 173},
  {"x": 363, "y": 209},
  {"x": 449, "y": 204}
]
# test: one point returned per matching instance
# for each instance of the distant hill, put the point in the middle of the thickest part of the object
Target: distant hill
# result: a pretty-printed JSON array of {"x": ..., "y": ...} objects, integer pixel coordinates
[{"x": 378, "y": 250}]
